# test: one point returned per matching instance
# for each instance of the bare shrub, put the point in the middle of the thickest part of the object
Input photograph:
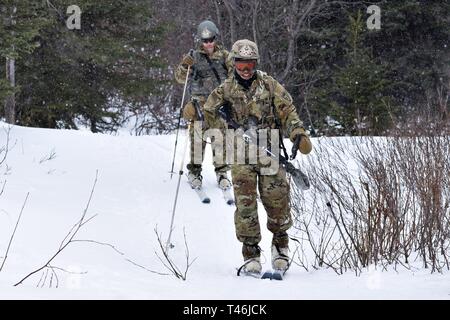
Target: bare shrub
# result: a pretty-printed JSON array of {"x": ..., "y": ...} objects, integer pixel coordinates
[
  {"x": 48, "y": 157},
  {"x": 378, "y": 200},
  {"x": 13, "y": 233},
  {"x": 4, "y": 149},
  {"x": 168, "y": 262},
  {"x": 48, "y": 267}
]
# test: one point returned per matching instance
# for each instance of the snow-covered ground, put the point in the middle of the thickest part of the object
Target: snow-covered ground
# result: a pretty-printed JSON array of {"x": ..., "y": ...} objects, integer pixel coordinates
[{"x": 133, "y": 195}]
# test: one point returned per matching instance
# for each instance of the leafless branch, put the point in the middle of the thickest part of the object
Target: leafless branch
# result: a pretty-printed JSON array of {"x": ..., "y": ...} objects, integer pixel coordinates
[
  {"x": 3, "y": 188},
  {"x": 49, "y": 157},
  {"x": 5, "y": 149},
  {"x": 167, "y": 261},
  {"x": 146, "y": 269},
  {"x": 67, "y": 271},
  {"x": 387, "y": 201},
  {"x": 188, "y": 264},
  {"x": 296, "y": 18},
  {"x": 69, "y": 238},
  {"x": 51, "y": 5},
  {"x": 102, "y": 244},
  {"x": 14, "y": 232}
]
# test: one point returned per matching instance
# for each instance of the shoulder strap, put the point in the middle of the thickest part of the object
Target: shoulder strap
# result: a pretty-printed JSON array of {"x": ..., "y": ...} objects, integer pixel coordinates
[
  {"x": 270, "y": 83},
  {"x": 194, "y": 69},
  {"x": 226, "y": 88},
  {"x": 212, "y": 68},
  {"x": 271, "y": 87}
]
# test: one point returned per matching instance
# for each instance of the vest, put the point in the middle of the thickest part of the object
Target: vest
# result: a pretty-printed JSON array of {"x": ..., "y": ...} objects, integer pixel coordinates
[
  {"x": 203, "y": 80},
  {"x": 258, "y": 108}
]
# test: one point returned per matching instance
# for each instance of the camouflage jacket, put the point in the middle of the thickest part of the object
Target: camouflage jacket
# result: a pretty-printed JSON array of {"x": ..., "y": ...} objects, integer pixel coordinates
[
  {"x": 202, "y": 80},
  {"x": 266, "y": 100}
]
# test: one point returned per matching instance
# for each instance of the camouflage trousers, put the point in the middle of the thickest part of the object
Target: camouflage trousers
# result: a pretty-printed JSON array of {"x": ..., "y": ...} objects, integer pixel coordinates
[
  {"x": 196, "y": 135},
  {"x": 274, "y": 193}
]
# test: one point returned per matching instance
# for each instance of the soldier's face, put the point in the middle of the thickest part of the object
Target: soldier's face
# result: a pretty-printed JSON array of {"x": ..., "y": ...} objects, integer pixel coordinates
[
  {"x": 208, "y": 45},
  {"x": 245, "y": 69}
]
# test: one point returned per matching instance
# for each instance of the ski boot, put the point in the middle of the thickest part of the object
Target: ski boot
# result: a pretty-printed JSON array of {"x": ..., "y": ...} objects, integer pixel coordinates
[
  {"x": 253, "y": 266},
  {"x": 195, "y": 180},
  {"x": 223, "y": 181},
  {"x": 280, "y": 258}
]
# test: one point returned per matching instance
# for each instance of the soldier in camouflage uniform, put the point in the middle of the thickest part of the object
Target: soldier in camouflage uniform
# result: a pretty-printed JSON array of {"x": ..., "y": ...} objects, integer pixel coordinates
[
  {"x": 209, "y": 68},
  {"x": 252, "y": 94}
]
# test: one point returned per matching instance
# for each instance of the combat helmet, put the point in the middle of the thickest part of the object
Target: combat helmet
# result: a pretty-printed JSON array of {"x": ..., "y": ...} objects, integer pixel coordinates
[
  {"x": 245, "y": 50},
  {"x": 207, "y": 30}
]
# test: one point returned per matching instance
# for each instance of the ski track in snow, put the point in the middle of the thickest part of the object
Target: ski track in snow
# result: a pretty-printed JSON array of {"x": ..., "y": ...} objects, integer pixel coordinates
[{"x": 134, "y": 194}]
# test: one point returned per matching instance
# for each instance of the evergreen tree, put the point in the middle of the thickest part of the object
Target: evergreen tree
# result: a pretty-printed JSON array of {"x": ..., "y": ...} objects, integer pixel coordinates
[
  {"x": 87, "y": 76},
  {"x": 414, "y": 43},
  {"x": 361, "y": 104},
  {"x": 410, "y": 51},
  {"x": 97, "y": 75},
  {"x": 20, "y": 23}
]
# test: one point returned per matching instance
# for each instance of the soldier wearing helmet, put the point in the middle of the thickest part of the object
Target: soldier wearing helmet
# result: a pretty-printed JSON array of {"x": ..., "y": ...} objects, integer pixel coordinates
[
  {"x": 209, "y": 67},
  {"x": 256, "y": 99}
]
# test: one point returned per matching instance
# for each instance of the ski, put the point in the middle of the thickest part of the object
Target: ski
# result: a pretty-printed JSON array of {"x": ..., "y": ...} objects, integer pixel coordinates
[
  {"x": 274, "y": 275},
  {"x": 228, "y": 196},
  {"x": 267, "y": 275},
  {"x": 277, "y": 274},
  {"x": 202, "y": 195}
]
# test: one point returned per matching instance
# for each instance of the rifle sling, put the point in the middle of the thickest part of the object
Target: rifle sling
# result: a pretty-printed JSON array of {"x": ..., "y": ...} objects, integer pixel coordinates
[{"x": 213, "y": 68}]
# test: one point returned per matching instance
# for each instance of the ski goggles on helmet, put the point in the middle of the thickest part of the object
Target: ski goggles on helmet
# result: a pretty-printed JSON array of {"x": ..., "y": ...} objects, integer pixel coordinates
[
  {"x": 245, "y": 65},
  {"x": 209, "y": 40}
]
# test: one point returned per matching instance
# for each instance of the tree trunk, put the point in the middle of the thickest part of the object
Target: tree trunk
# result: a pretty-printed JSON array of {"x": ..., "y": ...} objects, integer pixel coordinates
[
  {"x": 230, "y": 12},
  {"x": 218, "y": 20},
  {"x": 10, "y": 102},
  {"x": 358, "y": 121},
  {"x": 296, "y": 18},
  {"x": 255, "y": 20}
]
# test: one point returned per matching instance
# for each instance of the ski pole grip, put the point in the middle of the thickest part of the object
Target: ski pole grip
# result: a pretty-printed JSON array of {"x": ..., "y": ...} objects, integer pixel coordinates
[
  {"x": 222, "y": 113},
  {"x": 295, "y": 146}
]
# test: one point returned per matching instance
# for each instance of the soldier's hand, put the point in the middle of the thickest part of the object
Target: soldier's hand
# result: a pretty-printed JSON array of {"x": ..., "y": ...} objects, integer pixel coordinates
[
  {"x": 189, "y": 112},
  {"x": 301, "y": 140},
  {"x": 187, "y": 61}
]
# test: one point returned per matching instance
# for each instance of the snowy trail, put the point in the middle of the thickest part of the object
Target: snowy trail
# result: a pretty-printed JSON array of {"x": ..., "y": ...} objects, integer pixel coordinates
[{"x": 133, "y": 195}]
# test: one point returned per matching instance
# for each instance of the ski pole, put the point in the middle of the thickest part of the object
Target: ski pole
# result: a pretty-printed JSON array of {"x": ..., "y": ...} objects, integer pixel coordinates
[
  {"x": 179, "y": 119},
  {"x": 168, "y": 244}
]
